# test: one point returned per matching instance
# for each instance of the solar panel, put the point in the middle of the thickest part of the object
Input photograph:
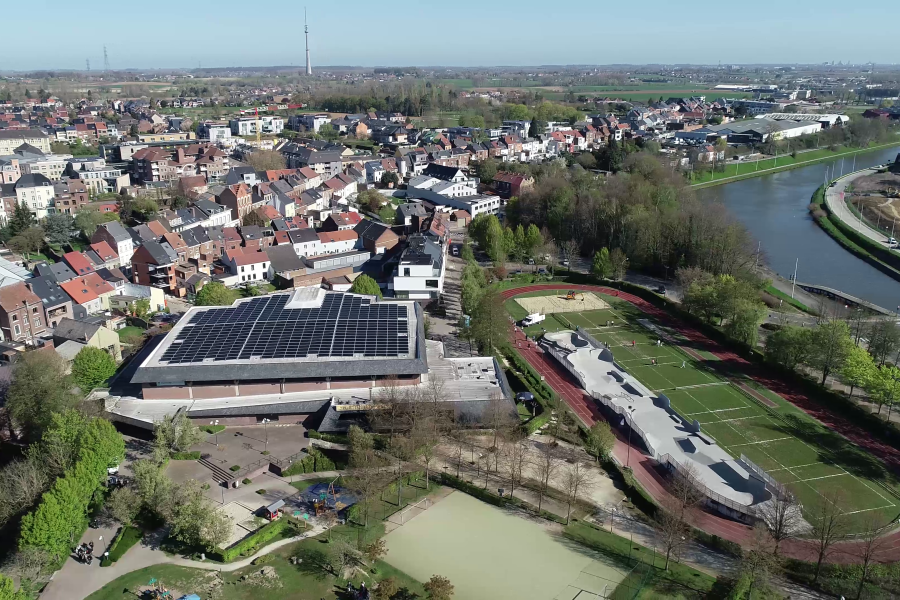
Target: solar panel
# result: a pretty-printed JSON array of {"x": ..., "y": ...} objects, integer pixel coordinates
[{"x": 343, "y": 326}]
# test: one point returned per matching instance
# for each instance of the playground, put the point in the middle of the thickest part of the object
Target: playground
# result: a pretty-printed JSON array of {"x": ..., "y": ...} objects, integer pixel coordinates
[
  {"x": 812, "y": 461},
  {"x": 491, "y": 554}
]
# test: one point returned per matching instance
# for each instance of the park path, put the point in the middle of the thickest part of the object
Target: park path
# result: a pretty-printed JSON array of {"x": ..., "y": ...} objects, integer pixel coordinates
[
  {"x": 837, "y": 205},
  {"x": 645, "y": 467}
]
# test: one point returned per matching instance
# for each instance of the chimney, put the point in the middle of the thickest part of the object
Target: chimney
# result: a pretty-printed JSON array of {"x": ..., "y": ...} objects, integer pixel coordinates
[{"x": 179, "y": 154}]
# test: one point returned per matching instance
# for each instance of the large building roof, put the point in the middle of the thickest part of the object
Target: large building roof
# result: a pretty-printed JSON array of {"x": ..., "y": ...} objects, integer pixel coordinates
[{"x": 308, "y": 333}]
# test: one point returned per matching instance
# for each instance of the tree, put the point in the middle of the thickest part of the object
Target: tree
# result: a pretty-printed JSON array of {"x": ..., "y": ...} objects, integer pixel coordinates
[
  {"x": 123, "y": 505},
  {"x": 486, "y": 170},
  {"x": 545, "y": 465},
  {"x": 39, "y": 388},
  {"x": 490, "y": 323},
  {"x": 28, "y": 241},
  {"x": 389, "y": 178},
  {"x": 328, "y": 132},
  {"x": 828, "y": 527},
  {"x": 674, "y": 534},
  {"x": 365, "y": 285},
  {"x": 746, "y": 316},
  {"x": 216, "y": 528},
  {"x": 367, "y": 482},
  {"x": 571, "y": 247},
  {"x": 600, "y": 441},
  {"x": 601, "y": 266},
  {"x": 884, "y": 340},
  {"x": 91, "y": 367},
  {"x": 586, "y": 160},
  {"x": 58, "y": 228},
  {"x": 782, "y": 518},
  {"x": 174, "y": 433},
  {"x": 153, "y": 486},
  {"x": 253, "y": 218},
  {"x": 883, "y": 386},
  {"x": 577, "y": 478},
  {"x": 535, "y": 129},
  {"x": 439, "y": 588},
  {"x": 619, "y": 263},
  {"x": 376, "y": 550},
  {"x": 868, "y": 544},
  {"x": 362, "y": 446},
  {"x": 533, "y": 239},
  {"x": 266, "y": 160},
  {"x": 515, "y": 458},
  {"x": 214, "y": 294},
  {"x": 21, "y": 483},
  {"x": 8, "y": 589},
  {"x": 146, "y": 208},
  {"x": 859, "y": 369},
  {"x": 21, "y": 219},
  {"x": 758, "y": 562},
  {"x": 87, "y": 220},
  {"x": 831, "y": 345},
  {"x": 387, "y": 589},
  {"x": 370, "y": 200},
  {"x": 790, "y": 346}
]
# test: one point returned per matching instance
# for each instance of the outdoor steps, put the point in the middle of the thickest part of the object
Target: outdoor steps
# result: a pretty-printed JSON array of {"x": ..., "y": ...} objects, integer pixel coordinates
[{"x": 218, "y": 473}]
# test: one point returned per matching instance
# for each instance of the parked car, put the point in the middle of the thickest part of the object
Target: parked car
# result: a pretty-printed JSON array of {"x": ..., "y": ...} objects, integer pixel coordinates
[
  {"x": 661, "y": 289},
  {"x": 530, "y": 261}
]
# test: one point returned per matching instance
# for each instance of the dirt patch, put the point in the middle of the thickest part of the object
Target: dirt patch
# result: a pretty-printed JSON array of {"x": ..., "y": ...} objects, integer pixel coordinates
[
  {"x": 266, "y": 577},
  {"x": 546, "y": 305},
  {"x": 749, "y": 390}
]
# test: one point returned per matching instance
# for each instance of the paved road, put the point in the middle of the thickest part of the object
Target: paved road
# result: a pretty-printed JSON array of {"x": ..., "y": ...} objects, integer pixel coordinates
[{"x": 834, "y": 199}]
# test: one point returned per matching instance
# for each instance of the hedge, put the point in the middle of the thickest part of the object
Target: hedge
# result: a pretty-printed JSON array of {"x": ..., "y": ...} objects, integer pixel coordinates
[
  {"x": 328, "y": 437},
  {"x": 250, "y": 544},
  {"x": 186, "y": 455},
  {"x": 313, "y": 462},
  {"x": 127, "y": 537}
]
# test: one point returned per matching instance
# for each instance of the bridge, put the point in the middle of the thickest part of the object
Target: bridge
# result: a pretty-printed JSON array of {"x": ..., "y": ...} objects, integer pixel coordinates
[{"x": 847, "y": 299}]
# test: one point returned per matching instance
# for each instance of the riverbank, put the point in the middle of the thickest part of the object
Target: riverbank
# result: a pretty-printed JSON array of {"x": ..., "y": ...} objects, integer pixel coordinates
[
  {"x": 852, "y": 240},
  {"x": 788, "y": 162}
]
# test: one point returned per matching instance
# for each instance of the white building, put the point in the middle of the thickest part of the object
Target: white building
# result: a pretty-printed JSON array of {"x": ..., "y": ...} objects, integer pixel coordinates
[
  {"x": 337, "y": 242},
  {"x": 250, "y": 266},
  {"x": 34, "y": 191},
  {"x": 420, "y": 272},
  {"x": 246, "y": 126}
]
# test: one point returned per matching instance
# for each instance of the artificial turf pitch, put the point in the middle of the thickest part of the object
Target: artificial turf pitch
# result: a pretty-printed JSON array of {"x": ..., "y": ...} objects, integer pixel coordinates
[{"x": 794, "y": 448}]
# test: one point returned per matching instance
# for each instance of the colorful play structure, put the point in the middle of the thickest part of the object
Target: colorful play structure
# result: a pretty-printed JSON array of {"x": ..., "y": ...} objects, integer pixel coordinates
[{"x": 327, "y": 497}]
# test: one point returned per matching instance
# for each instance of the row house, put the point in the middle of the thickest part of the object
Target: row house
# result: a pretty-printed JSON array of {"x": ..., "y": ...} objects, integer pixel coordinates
[{"x": 237, "y": 198}]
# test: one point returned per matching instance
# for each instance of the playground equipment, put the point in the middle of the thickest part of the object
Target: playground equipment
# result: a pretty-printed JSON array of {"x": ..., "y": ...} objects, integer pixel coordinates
[
  {"x": 327, "y": 496},
  {"x": 274, "y": 510}
]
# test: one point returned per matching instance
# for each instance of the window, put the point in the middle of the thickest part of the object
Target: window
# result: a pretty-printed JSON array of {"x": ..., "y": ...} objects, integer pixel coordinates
[
  {"x": 37, "y": 322},
  {"x": 432, "y": 283},
  {"x": 34, "y": 310},
  {"x": 242, "y": 269},
  {"x": 18, "y": 331},
  {"x": 15, "y": 318},
  {"x": 406, "y": 272}
]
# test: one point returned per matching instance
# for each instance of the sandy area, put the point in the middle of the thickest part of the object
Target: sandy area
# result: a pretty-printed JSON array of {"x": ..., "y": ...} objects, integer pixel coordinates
[{"x": 558, "y": 304}]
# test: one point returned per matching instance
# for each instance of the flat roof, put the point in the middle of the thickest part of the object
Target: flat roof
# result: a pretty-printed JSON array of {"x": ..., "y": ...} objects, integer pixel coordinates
[{"x": 306, "y": 333}]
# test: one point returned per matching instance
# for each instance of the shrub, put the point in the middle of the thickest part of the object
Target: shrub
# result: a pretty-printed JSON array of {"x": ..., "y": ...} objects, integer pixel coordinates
[
  {"x": 251, "y": 543},
  {"x": 126, "y": 538},
  {"x": 313, "y": 462},
  {"x": 212, "y": 428},
  {"x": 233, "y": 468},
  {"x": 260, "y": 491},
  {"x": 247, "y": 481},
  {"x": 195, "y": 455}
]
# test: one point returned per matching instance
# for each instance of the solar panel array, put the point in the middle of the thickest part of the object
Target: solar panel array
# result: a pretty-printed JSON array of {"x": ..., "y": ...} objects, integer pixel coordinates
[{"x": 343, "y": 326}]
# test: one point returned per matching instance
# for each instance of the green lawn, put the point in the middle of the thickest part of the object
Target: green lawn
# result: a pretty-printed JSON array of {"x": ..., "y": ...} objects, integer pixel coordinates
[
  {"x": 130, "y": 330},
  {"x": 798, "y": 451},
  {"x": 306, "y": 581}
]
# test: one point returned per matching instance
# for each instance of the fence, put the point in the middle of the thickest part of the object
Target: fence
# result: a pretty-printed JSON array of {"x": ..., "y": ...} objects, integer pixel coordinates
[
  {"x": 590, "y": 339},
  {"x": 561, "y": 359},
  {"x": 776, "y": 488},
  {"x": 673, "y": 464}
]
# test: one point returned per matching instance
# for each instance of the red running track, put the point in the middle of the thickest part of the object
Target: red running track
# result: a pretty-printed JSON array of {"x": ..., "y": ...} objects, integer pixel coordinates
[{"x": 644, "y": 467}]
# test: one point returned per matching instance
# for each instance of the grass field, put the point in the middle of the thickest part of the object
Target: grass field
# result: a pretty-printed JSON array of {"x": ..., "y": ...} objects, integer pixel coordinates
[{"x": 798, "y": 451}]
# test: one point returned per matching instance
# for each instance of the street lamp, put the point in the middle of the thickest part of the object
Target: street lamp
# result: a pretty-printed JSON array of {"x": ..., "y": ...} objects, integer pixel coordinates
[
  {"x": 631, "y": 410},
  {"x": 266, "y": 428},
  {"x": 215, "y": 425}
]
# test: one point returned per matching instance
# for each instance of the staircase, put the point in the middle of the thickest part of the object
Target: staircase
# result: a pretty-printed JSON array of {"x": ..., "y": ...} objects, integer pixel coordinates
[{"x": 219, "y": 474}]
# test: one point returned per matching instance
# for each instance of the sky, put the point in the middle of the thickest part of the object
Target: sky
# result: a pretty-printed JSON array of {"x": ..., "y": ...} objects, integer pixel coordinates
[{"x": 462, "y": 33}]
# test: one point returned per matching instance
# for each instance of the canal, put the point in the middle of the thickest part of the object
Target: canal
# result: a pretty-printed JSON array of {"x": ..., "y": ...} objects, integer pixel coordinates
[{"x": 774, "y": 209}]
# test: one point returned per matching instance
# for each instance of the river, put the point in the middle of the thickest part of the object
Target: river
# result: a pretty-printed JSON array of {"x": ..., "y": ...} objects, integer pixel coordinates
[{"x": 774, "y": 209}]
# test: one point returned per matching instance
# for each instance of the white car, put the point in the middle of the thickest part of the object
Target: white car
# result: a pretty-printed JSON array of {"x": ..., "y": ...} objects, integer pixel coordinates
[{"x": 892, "y": 241}]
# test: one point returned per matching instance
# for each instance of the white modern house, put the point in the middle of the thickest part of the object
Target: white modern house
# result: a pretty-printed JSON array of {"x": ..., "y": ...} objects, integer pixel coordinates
[
  {"x": 420, "y": 273},
  {"x": 247, "y": 125}
]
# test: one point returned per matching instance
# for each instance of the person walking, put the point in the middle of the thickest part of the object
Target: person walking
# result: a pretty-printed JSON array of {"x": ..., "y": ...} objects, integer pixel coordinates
[{"x": 682, "y": 364}]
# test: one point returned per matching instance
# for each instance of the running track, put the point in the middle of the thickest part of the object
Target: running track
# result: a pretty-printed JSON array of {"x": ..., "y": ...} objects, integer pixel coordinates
[{"x": 644, "y": 467}]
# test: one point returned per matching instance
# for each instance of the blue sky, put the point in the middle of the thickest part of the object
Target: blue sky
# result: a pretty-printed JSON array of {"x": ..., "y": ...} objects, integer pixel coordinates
[{"x": 59, "y": 34}]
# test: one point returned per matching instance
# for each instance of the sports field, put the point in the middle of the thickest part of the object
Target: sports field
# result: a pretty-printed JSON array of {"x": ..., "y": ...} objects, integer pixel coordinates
[
  {"x": 490, "y": 554},
  {"x": 800, "y": 453}
]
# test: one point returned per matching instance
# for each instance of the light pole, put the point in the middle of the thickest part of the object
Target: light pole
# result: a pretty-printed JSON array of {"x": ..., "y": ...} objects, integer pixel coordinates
[
  {"x": 628, "y": 455},
  {"x": 215, "y": 425},
  {"x": 266, "y": 428},
  {"x": 794, "y": 278}
]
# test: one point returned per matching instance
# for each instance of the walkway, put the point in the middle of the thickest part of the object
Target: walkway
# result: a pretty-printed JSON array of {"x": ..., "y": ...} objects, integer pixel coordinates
[
  {"x": 837, "y": 205},
  {"x": 644, "y": 467}
]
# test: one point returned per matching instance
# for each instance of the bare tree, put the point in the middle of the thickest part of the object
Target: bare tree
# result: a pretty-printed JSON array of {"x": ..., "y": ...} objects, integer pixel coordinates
[
  {"x": 499, "y": 417},
  {"x": 685, "y": 490},
  {"x": 869, "y": 544},
  {"x": 829, "y": 526},
  {"x": 674, "y": 531},
  {"x": 425, "y": 442},
  {"x": 367, "y": 482},
  {"x": 21, "y": 483},
  {"x": 782, "y": 518},
  {"x": 546, "y": 464},
  {"x": 571, "y": 248},
  {"x": 515, "y": 457},
  {"x": 758, "y": 561},
  {"x": 577, "y": 479},
  {"x": 392, "y": 408},
  {"x": 458, "y": 439}
]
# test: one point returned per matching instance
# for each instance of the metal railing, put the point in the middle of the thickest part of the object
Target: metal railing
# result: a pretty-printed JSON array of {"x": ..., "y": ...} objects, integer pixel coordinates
[
  {"x": 776, "y": 488},
  {"x": 590, "y": 339},
  {"x": 667, "y": 460},
  {"x": 561, "y": 359}
]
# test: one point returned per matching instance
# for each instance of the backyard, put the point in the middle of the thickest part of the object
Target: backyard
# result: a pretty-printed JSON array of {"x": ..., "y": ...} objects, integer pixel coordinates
[{"x": 744, "y": 418}]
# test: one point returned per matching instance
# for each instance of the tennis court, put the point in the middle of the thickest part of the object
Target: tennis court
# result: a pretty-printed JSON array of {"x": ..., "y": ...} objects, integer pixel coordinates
[
  {"x": 796, "y": 450},
  {"x": 490, "y": 554}
]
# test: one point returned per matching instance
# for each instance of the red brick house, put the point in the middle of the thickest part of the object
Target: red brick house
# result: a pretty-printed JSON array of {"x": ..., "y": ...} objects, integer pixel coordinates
[{"x": 21, "y": 314}]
